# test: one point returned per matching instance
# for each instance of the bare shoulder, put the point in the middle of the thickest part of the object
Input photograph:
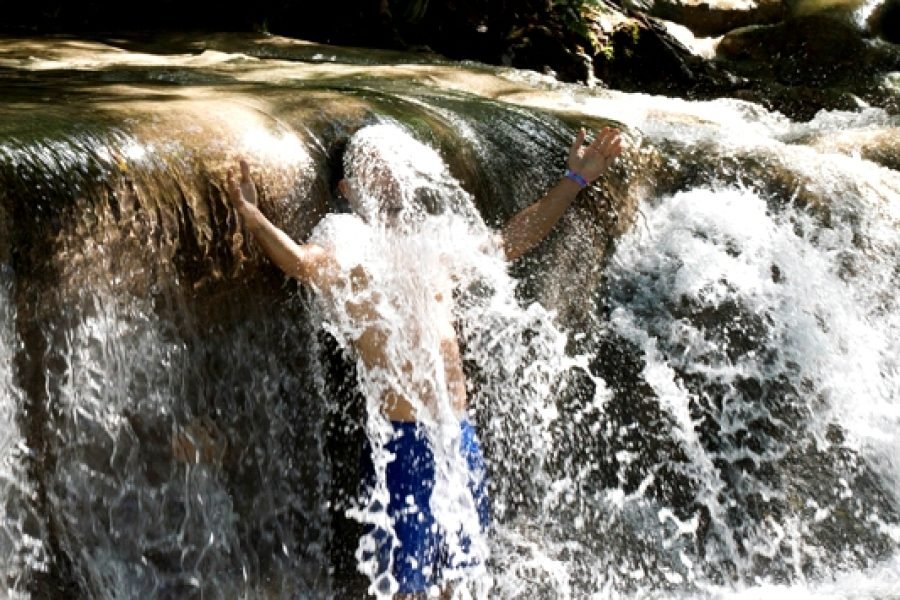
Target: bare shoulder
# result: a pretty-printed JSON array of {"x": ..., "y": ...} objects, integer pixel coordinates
[{"x": 317, "y": 265}]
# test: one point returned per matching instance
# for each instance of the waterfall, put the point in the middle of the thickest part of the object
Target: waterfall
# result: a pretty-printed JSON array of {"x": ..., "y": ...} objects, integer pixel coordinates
[{"x": 689, "y": 390}]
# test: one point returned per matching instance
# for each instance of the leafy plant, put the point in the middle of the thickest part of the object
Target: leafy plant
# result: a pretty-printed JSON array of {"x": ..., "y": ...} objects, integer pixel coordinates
[{"x": 581, "y": 17}]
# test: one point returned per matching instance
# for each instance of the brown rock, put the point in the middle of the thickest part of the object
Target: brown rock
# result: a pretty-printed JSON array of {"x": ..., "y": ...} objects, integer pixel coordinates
[
  {"x": 716, "y": 17},
  {"x": 811, "y": 49},
  {"x": 540, "y": 48},
  {"x": 644, "y": 55},
  {"x": 881, "y": 146}
]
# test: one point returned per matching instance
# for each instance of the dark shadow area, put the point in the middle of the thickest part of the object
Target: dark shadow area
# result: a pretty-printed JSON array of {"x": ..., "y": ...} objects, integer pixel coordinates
[{"x": 338, "y": 21}]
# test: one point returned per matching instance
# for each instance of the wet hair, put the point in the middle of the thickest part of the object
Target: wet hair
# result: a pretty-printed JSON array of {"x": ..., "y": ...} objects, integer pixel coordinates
[
  {"x": 398, "y": 175},
  {"x": 336, "y": 174},
  {"x": 418, "y": 179}
]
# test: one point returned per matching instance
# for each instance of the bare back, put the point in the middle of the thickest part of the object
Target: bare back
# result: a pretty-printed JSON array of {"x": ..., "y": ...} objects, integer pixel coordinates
[
  {"x": 389, "y": 296},
  {"x": 376, "y": 338}
]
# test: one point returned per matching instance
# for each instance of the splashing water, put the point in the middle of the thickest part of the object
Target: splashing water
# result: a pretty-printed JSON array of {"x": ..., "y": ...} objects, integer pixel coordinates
[
  {"x": 766, "y": 350},
  {"x": 414, "y": 267},
  {"x": 212, "y": 531},
  {"x": 22, "y": 536},
  {"x": 713, "y": 413}
]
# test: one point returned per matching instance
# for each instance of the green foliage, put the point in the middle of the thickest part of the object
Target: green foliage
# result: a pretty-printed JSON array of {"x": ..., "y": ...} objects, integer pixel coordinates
[
  {"x": 635, "y": 33},
  {"x": 607, "y": 50},
  {"x": 580, "y": 16}
]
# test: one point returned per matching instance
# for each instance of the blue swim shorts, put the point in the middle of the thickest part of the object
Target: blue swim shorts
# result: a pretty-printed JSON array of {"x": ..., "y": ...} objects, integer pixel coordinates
[{"x": 420, "y": 555}]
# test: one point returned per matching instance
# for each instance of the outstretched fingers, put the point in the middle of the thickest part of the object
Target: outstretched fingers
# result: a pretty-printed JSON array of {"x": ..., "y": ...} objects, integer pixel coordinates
[
  {"x": 612, "y": 144},
  {"x": 607, "y": 145},
  {"x": 240, "y": 189},
  {"x": 605, "y": 139},
  {"x": 592, "y": 160},
  {"x": 575, "y": 150},
  {"x": 242, "y": 193},
  {"x": 234, "y": 190},
  {"x": 247, "y": 186}
]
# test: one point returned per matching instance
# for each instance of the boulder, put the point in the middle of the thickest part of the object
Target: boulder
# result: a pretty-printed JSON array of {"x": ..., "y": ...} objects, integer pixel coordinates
[
  {"x": 642, "y": 54},
  {"x": 885, "y": 21},
  {"x": 716, "y": 17},
  {"x": 540, "y": 48},
  {"x": 879, "y": 145},
  {"x": 813, "y": 49}
]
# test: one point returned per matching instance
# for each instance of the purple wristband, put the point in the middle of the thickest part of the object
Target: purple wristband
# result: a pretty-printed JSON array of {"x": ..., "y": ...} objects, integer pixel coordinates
[{"x": 581, "y": 181}]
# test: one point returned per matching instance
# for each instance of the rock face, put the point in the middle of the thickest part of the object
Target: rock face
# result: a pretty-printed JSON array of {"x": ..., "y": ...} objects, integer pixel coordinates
[
  {"x": 804, "y": 49},
  {"x": 716, "y": 17},
  {"x": 815, "y": 58},
  {"x": 545, "y": 50},
  {"x": 809, "y": 63},
  {"x": 643, "y": 55},
  {"x": 879, "y": 145},
  {"x": 795, "y": 56},
  {"x": 885, "y": 21}
]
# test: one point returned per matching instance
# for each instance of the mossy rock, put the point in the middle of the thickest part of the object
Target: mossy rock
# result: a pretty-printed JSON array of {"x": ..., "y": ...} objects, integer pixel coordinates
[{"x": 640, "y": 54}]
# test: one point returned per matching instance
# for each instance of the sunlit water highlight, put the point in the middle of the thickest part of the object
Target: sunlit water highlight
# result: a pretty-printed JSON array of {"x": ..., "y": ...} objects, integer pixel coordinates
[{"x": 21, "y": 533}]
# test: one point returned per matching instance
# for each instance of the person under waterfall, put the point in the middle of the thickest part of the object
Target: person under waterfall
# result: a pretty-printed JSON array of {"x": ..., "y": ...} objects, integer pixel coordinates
[{"x": 412, "y": 545}]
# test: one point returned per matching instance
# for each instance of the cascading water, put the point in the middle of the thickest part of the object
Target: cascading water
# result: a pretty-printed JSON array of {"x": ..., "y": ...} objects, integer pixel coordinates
[
  {"x": 690, "y": 390},
  {"x": 770, "y": 389},
  {"x": 22, "y": 531}
]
